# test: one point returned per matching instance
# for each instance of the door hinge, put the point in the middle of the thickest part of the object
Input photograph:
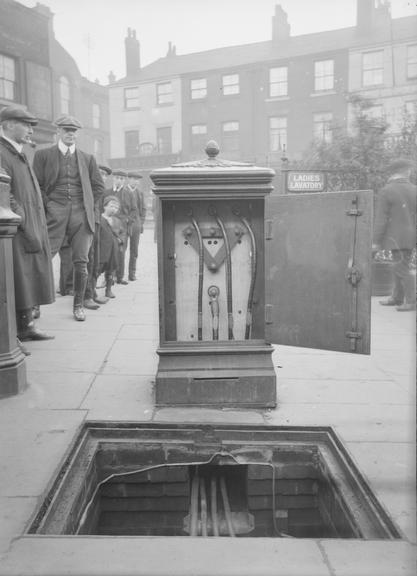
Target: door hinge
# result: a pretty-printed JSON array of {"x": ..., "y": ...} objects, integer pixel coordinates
[
  {"x": 269, "y": 314},
  {"x": 353, "y": 337},
  {"x": 268, "y": 230},
  {"x": 354, "y": 275},
  {"x": 354, "y": 210}
]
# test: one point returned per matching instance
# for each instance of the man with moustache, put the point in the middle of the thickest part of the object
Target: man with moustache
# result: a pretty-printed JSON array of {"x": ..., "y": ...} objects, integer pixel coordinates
[
  {"x": 33, "y": 276},
  {"x": 71, "y": 186}
]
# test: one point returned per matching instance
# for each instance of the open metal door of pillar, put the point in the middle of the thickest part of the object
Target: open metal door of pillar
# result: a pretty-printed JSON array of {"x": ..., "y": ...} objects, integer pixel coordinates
[{"x": 318, "y": 270}]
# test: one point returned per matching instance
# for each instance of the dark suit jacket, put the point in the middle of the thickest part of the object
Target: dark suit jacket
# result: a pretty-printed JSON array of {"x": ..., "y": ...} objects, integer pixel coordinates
[
  {"x": 46, "y": 167},
  {"x": 396, "y": 216}
]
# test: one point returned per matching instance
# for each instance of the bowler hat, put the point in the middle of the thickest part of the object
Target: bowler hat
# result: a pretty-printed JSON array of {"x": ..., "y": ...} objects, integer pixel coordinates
[
  {"x": 119, "y": 172},
  {"x": 17, "y": 113},
  {"x": 68, "y": 122},
  {"x": 134, "y": 175},
  {"x": 105, "y": 169}
]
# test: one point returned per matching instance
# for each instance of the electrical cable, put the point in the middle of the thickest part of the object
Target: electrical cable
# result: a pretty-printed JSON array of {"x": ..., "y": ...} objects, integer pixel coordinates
[
  {"x": 213, "y": 503},
  {"x": 174, "y": 464},
  {"x": 200, "y": 276},
  {"x": 228, "y": 267},
  {"x": 226, "y": 506},
  {"x": 203, "y": 506},
  {"x": 254, "y": 264}
]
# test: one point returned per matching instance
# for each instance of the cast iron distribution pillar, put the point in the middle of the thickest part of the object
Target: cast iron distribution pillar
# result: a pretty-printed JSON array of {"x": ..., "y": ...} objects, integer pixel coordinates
[{"x": 12, "y": 360}]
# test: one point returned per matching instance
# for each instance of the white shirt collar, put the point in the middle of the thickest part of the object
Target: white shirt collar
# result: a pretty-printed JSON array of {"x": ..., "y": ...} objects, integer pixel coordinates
[
  {"x": 63, "y": 147},
  {"x": 19, "y": 147}
]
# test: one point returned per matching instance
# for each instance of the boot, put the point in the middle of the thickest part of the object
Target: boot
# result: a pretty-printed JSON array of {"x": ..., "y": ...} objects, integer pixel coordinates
[
  {"x": 109, "y": 284},
  {"x": 98, "y": 299},
  {"x": 80, "y": 283},
  {"x": 132, "y": 269},
  {"x": 26, "y": 329}
]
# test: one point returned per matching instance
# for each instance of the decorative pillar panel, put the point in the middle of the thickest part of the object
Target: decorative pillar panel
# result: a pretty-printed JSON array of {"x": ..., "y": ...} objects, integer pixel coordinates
[{"x": 12, "y": 360}]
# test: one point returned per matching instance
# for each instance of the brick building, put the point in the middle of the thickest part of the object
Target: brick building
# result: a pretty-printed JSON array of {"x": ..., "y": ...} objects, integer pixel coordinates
[
  {"x": 37, "y": 72},
  {"x": 256, "y": 99}
]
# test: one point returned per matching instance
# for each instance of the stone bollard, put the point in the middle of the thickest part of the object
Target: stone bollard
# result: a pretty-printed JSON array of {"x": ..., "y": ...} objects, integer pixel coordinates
[{"x": 12, "y": 360}]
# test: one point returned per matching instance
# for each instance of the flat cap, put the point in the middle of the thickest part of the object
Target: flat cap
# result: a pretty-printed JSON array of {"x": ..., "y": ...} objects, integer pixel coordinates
[
  {"x": 134, "y": 175},
  {"x": 17, "y": 113},
  {"x": 105, "y": 168},
  {"x": 68, "y": 122},
  {"x": 110, "y": 198},
  {"x": 120, "y": 172},
  {"x": 400, "y": 164}
]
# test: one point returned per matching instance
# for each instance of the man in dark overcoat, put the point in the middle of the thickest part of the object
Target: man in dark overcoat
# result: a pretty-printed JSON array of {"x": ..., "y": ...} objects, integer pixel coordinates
[
  {"x": 136, "y": 229},
  {"x": 71, "y": 185},
  {"x": 395, "y": 230},
  {"x": 33, "y": 276}
]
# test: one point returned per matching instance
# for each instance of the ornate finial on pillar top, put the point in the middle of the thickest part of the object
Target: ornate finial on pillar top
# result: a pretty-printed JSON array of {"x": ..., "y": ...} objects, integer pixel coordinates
[{"x": 212, "y": 149}]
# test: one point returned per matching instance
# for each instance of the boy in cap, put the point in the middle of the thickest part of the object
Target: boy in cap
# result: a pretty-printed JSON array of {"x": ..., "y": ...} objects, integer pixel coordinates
[
  {"x": 33, "y": 276},
  {"x": 136, "y": 229},
  {"x": 395, "y": 230},
  {"x": 111, "y": 242},
  {"x": 127, "y": 215},
  {"x": 71, "y": 186}
]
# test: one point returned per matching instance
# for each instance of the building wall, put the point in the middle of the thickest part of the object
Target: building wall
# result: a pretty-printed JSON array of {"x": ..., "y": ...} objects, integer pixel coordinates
[
  {"x": 27, "y": 37},
  {"x": 396, "y": 91},
  {"x": 146, "y": 118}
]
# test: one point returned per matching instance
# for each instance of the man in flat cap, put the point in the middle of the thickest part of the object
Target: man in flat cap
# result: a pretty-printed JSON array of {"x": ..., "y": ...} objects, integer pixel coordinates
[
  {"x": 395, "y": 230},
  {"x": 136, "y": 229},
  {"x": 71, "y": 186},
  {"x": 33, "y": 276},
  {"x": 127, "y": 215}
]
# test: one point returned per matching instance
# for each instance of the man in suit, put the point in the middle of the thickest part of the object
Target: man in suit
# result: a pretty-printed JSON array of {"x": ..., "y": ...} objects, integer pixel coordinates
[
  {"x": 71, "y": 187},
  {"x": 136, "y": 229},
  {"x": 33, "y": 277},
  {"x": 395, "y": 230}
]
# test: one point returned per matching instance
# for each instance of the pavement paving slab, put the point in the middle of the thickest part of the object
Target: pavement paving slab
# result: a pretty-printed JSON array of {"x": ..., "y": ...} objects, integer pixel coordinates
[{"x": 104, "y": 369}]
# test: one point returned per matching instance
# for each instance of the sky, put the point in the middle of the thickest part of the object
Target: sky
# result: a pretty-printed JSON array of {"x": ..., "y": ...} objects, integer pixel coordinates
[{"x": 93, "y": 31}]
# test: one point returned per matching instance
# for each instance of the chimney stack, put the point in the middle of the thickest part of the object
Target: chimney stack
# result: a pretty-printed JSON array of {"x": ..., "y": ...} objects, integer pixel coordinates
[
  {"x": 372, "y": 15},
  {"x": 280, "y": 27},
  {"x": 132, "y": 48}
]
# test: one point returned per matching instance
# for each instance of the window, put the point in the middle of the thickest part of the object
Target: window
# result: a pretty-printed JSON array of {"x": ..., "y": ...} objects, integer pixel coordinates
[
  {"x": 230, "y": 137},
  {"x": 198, "y": 88},
  {"x": 324, "y": 75},
  {"x": 7, "y": 78},
  {"x": 198, "y": 138},
  {"x": 278, "y": 81},
  {"x": 164, "y": 140},
  {"x": 98, "y": 149},
  {"x": 323, "y": 127},
  {"x": 64, "y": 95},
  {"x": 132, "y": 142},
  {"x": 131, "y": 98},
  {"x": 410, "y": 109},
  {"x": 375, "y": 112},
  {"x": 164, "y": 93},
  {"x": 198, "y": 129},
  {"x": 96, "y": 116},
  {"x": 230, "y": 84},
  {"x": 373, "y": 68},
  {"x": 277, "y": 133},
  {"x": 412, "y": 61}
]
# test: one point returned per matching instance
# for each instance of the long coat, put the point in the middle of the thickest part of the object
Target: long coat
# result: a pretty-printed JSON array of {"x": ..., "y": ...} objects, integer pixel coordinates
[
  {"x": 395, "y": 218},
  {"x": 33, "y": 276},
  {"x": 46, "y": 167}
]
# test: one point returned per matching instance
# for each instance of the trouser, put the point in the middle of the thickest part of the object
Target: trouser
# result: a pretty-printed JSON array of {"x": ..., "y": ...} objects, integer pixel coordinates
[
  {"x": 120, "y": 272},
  {"x": 403, "y": 287},
  {"x": 66, "y": 271},
  {"x": 67, "y": 219},
  {"x": 134, "y": 238}
]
